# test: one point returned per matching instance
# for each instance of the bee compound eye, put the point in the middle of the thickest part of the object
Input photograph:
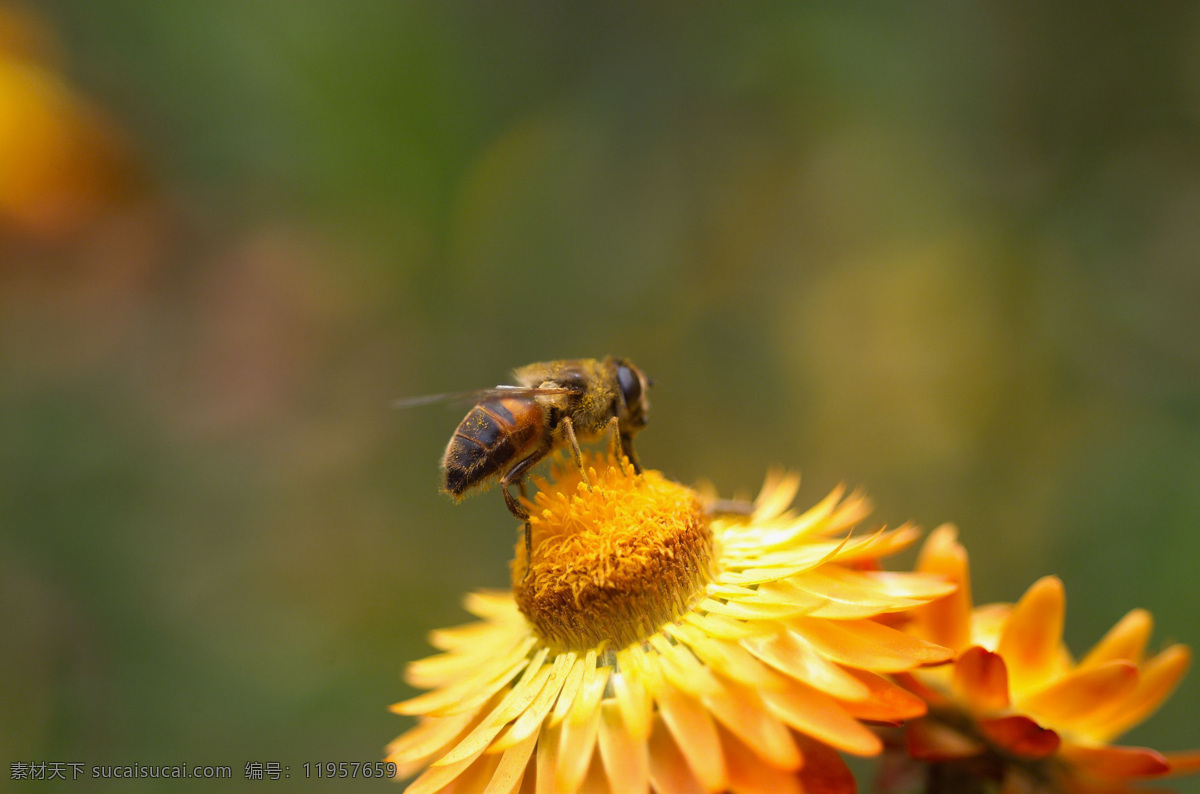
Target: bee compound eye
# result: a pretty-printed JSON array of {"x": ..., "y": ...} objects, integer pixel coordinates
[{"x": 631, "y": 385}]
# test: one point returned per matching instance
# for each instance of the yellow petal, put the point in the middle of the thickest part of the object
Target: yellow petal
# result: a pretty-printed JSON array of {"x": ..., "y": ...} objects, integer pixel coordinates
[
  {"x": 435, "y": 778},
  {"x": 571, "y": 686},
  {"x": 727, "y": 658},
  {"x": 547, "y": 759},
  {"x": 758, "y": 556},
  {"x": 508, "y": 775},
  {"x": 490, "y": 603},
  {"x": 625, "y": 758},
  {"x": 1126, "y": 640},
  {"x": 778, "y": 491},
  {"x": 918, "y": 585},
  {"x": 530, "y": 683},
  {"x": 720, "y": 589},
  {"x": 833, "y": 583},
  {"x": 987, "y": 624},
  {"x": 669, "y": 770},
  {"x": 516, "y": 701},
  {"x": 647, "y": 668},
  {"x": 595, "y": 781},
  {"x": 470, "y": 636},
  {"x": 475, "y": 778},
  {"x": 430, "y": 739},
  {"x": 792, "y": 654},
  {"x": 820, "y": 716},
  {"x": 761, "y": 571},
  {"x": 435, "y": 671},
  {"x": 855, "y": 508},
  {"x": 782, "y": 592},
  {"x": 946, "y": 621},
  {"x": 576, "y": 745},
  {"x": 683, "y": 669},
  {"x": 530, "y": 718},
  {"x": 743, "y": 712},
  {"x": 847, "y": 610},
  {"x": 696, "y": 736},
  {"x": 1157, "y": 679},
  {"x": 725, "y": 628},
  {"x": 1072, "y": 698},
  {"x": 765, "y": 532},
  {"x": 881, "y": 544},
  {"x": 1030, "y": 643},
  {"x": 479, "y": 739},
  {"x": 749, "y": 610},
  {"x": 469, "y": 692},
  {"x": 868, "y": 645},
  {"x": 590, "y": 692},
  {"x": 634, "y": 701},
  {"x": 749, "y": 775}
]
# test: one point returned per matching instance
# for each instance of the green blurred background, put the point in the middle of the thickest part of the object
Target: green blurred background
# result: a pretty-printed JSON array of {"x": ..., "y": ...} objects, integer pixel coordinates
[{"x": 948, "y": 253}]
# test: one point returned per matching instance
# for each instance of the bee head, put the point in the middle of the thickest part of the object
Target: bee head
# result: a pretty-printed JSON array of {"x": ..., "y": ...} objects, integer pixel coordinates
[{"x": 633, "y": 384}]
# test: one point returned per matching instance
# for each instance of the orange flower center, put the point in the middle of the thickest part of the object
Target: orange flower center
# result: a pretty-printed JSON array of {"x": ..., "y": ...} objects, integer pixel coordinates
[{"x": 615, "y": 557}]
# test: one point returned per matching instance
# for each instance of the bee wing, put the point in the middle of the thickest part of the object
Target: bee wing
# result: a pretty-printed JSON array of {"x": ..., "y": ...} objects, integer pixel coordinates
[{"x": 477, "y": 395}]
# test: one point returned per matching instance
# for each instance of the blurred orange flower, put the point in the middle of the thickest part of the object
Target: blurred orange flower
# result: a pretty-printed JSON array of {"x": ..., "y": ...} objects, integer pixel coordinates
[
  {"x": 1015, "y": 707},
  {"x": 61, "y": 160},
  {"x": 652, "y": 645}
]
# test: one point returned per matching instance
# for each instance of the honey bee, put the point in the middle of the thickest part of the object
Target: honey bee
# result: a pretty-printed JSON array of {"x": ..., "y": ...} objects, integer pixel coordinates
[{"x": 554, "y": 404}]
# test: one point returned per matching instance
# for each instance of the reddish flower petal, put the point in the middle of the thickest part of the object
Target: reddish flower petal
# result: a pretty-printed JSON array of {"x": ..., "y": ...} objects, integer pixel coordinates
[
  {"x": 1021, "y": 736},
  {"x": 1184, "y": 763},
  {"x": 886, "y": 702},
  {"x": 1117, "y": 762},
  {"x": 981, "y": 679},
  {"x": 824, "y": 771},
  {"x": 747, "y": 772}
]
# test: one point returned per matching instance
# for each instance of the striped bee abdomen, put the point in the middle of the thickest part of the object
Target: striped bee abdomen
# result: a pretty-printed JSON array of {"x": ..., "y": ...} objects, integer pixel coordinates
[{"x": 495, "y": 434}]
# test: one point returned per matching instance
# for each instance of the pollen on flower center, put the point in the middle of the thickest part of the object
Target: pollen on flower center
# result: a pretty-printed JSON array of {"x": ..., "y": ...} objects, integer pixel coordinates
[{"x": 613, "y": 560}]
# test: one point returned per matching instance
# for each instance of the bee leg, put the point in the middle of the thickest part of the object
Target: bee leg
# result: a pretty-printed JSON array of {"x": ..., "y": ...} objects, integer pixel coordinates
[
  {"x": 516, "y": 508},
  {"x": 528, "y": 551},
  {"x": 517, "y": 474},
  {"x": 519, "y": 511},
  {"x": 573, "y": 443},
  {"x": 528, "y": 532},
  {"x": 627, "y": 450},
  {"x": 613, "y": 431}
]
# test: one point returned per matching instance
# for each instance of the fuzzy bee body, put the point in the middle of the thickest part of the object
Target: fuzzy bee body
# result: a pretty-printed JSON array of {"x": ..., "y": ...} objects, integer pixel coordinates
[
  {"x": 552, "y": 405},
  {"x": 494, "y": 435}
]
